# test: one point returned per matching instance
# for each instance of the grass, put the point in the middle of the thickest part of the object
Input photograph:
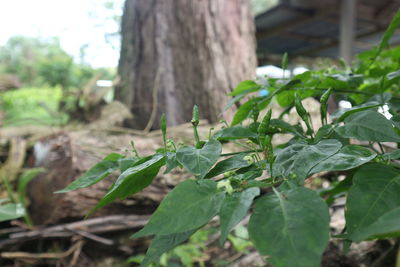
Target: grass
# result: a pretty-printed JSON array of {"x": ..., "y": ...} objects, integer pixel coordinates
[{"x": 32, "y": 106}]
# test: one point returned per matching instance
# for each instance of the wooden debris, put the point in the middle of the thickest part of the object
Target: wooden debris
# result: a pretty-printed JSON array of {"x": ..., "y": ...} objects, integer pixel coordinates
[{"x": 89, "y": 227}]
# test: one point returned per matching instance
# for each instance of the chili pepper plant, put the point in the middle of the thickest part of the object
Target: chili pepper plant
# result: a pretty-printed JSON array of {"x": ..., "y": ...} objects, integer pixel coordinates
[{"x": 289, "y": 222}]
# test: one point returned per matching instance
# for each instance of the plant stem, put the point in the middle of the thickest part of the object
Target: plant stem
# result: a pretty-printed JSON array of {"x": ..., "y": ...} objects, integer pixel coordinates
[
  {"x": 240, "y": 152},
  {"x": 381, "y": 147},
  {"x": 8, "y": 187},
  {"x": 196, "y": 134}
]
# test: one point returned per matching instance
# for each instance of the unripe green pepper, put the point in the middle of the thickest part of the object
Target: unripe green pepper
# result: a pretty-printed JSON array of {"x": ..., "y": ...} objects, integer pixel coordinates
[
  {"x": 264, "y": 125},
  {"x": 300, "y": 108},
  {"x": 302, "y": 112},
  {"x": 324, "y": 105},
  {"x": 268, "y": 144},
  {"x": 255, "y": 112}
]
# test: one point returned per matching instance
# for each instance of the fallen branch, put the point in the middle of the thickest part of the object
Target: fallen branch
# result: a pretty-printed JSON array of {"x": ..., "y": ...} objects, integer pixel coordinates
[
  {"x": 84, "y": 228},
  {"x": 50, "y": 255}
]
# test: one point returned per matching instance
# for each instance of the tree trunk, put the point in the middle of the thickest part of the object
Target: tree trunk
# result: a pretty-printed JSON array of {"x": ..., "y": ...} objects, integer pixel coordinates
[{"x": 177, "y": 53}]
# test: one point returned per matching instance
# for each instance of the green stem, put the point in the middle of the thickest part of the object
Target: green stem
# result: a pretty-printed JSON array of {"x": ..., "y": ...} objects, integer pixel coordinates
[
  {"x": 196, "y": 134},
  {"x": 8, "y": 188},
  {"x": 381, "y": 148},
  {"x": 240, "y": 152}
]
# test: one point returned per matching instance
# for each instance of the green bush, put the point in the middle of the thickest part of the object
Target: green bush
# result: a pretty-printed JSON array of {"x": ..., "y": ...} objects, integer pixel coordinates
[
  {"x": 35, "y": 106},
  {"x": 42, "y": 62}
]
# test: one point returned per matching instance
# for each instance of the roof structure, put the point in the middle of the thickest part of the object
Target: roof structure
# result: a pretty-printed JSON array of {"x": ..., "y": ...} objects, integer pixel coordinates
[{"x": 311, "y": 28}]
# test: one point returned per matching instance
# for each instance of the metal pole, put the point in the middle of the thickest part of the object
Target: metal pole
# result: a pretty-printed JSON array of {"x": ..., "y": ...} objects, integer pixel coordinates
[{"x": 347, "y": 29}]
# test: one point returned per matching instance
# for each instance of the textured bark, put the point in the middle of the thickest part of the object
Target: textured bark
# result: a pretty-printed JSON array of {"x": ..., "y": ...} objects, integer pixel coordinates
[{"x": 186, "y": 52}]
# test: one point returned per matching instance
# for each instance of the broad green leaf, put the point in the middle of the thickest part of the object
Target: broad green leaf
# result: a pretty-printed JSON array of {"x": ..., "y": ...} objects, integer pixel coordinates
[
  {"x": 236, "y": 132},
  {"x": 285, "y": 99},
  {"x": 234, "y": 208},
  {"x": 348, "y": 157},
  {"x": 133, "y": 180},
  {"x": 243, "y": 112},
  {"x": 374, "y": 193},
  {"x": 385, "y": 226},
  {"x": 291, "y": 227},
  {"x": 245, "y": 86},
  {"x": 199, "y": 161},
  {"x": 95, "y": 174},
  {"x": 342, "y": 114},
  {"x": 11, "y": 211},
  {"x": 298, "y": 159},
  {"x": 368, "y": 126},
  {"x": 190, "y": 205},
  {"x": 162, "y": 244},
  {"x": 232, "y": 163},
  {"x": 126, "y": 163}
]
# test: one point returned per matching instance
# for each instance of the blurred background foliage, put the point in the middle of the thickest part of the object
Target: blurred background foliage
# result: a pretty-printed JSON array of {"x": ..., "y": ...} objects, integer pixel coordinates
[{"x": 47, "y": 76}]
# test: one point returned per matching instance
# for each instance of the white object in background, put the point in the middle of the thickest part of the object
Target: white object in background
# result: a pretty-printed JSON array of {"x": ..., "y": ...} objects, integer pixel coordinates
[{"x": 275, "y": 72}]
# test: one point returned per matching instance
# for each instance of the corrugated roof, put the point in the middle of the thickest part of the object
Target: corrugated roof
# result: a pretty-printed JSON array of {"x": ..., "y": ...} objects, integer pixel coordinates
[{"x": 311, "y": 27}]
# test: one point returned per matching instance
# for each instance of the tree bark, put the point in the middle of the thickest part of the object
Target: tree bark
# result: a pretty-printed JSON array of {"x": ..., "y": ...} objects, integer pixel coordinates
[{"x": 177, "y": 53}]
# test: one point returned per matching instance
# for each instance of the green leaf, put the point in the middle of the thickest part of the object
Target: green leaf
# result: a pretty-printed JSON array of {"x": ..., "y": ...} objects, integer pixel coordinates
[
  {"x": 162, "y": 244},
  {"x": 243, "y": 112},
  {"x": 126, "y": 163},
  {"x": 23, "y": 182},
  {"x": 392, "y": 155},
  {"x": 232, "y": 163},
  {"x": 199, "y": 161},
  {"x": 374, "y": 193},
  {"x": 232, "y": 101},
  {"x": 394, "y": 24},
  {"x": 245, "y": 86},
  {"x": 323, "y": 132},
  {"x": 385, "y": 226},
  {"x": 342, "y": 114},
  {"x": 11, "y": 211},
  {"x": 368, "y": 126},
  {"x": 348, "y": 157},
  {"x": 172, "y": 163},
  {"x": 340, "y": 81},
  {"x": 133, "y": 180},
  {"x": 234, "y": 209},
  {"x": 285, "y": 127},
  {"x": 298, "y": 159},
  {"x": 338, "y": 188},
  {"x": 393, "y": 75},
  {"x": 232, "y": 133},
  {"x": 95, "y": 174},
  {"x": 291, "y": 227},
  {"x": 285, "y": 98},
  {"x": 190, "y": 205},
  {"x": 396, "y": 121}
]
